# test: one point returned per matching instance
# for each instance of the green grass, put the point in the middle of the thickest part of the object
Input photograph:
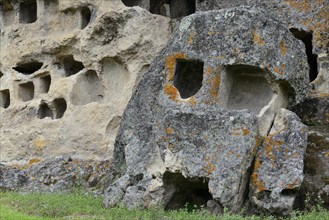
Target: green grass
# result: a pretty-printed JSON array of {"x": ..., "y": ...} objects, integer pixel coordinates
[{"x": 32, "y": 206}]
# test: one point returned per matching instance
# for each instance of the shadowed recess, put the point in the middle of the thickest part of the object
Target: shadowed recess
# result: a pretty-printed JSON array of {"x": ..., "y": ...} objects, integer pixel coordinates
[
  {"x": 71, "y": 66},
  {"x": 4, "y": 98},
  {"x": 307, "y": 38},
  {"x": 28, "y": 12},
  {"x": 182, "y": 192},
  {"x": 188, "y": 77},
  {"x": 28, "y": 68}
]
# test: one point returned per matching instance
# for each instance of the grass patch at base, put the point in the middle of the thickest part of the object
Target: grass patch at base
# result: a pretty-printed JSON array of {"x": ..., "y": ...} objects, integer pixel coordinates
[{"x": 32, "y": 206}]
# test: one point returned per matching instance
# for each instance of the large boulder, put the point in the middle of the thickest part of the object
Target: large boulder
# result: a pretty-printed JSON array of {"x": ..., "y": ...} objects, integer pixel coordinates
[
  {"x": 278, "y": 170},
  {"x": 192, "y": 128}
]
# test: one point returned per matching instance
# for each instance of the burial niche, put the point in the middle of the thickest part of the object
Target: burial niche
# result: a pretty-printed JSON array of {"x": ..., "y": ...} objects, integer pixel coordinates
[
  {"x": 28, "y": 68},
  {"x": 88, "y": 88},
  {"x": 172, "y": 8},
  {"x": 45, "y": 82},
  {"x": 181, "y": 192},
  {"x": 247, "y": 88},
  {"x": 85, "y": 17},
  {"x": 188, "y": 77},
  {"x": 60, "y": 107},
  {"x": 71, "y": 66},
  {"x": 44, "y": 111},
  {"x": 28, "y": 12},
  {"x": 306, "y": 38},
  {"x": 26, "y": 91},
  {"x": 4, "y": 98}
]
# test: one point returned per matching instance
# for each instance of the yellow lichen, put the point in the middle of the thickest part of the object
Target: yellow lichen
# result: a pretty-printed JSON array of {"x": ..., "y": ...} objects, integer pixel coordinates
[
  {"x": 257, "y": 39},
  {"x": 171, "y": 91},
  {"x": 283, "y": 49},
  {"x": 170, "y": 64}
]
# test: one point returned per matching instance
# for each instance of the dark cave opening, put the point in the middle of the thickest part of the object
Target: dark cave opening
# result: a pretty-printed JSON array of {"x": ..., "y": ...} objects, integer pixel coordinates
[{"x": 181, "y": 192}]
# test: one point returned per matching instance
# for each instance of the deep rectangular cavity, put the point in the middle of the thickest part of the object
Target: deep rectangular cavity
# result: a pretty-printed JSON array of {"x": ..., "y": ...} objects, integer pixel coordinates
[
  {"x": 26, "y": 91},
  {"x": 4, "y": 98},
  {"x": 188, "y": 77},
  {"x": 28, "y": 12}
]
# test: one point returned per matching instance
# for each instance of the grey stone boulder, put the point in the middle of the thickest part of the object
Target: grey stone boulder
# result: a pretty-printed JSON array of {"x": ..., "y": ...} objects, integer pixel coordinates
[
  {"x": 192, "y": 128},
  {"x": 278, "y": 168}
]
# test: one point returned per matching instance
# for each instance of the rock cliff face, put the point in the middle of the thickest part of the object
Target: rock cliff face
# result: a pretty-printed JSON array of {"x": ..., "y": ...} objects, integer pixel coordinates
[
  {"x": 68, "y": 70},
  {"x": 233, "y": 112}
]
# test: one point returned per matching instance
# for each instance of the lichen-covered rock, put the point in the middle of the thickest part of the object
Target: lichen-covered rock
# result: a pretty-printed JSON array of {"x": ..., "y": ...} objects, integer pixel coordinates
[
  {"x": 55, "y": 175},
  {"x": 278, "y": 169},
  {"x": 68, "y": 69},
  {"x": 197, "y": 117},
  {"x": 308, "y": 21},
  {"x": 314, "y": 112}
]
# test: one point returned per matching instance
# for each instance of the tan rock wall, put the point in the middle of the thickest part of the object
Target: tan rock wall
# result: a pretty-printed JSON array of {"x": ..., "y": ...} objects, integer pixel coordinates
[{"x": 68, "y": 71}]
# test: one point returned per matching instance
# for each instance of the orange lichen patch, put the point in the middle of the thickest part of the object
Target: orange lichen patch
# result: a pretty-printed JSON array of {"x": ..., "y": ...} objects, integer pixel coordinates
[
  {"x": 245, "y": 131},
  {"x": 40, "y": 143},
  {"x": 259, "y": 185},
  {"x": 257, "y": 39},
  {"x": 293, "y": 185},
  {"x": 34, "y": 160},
  {"x": 171, "y": 91},
  {"x": 299, "y": 5},
  {"x": 169, "y": 131},
  {"x": 209, "y": 168},
  {"x": 170, "y": 64},
  {"x": 323, "y": 95},
  {"x": 268, "y": 152},
  {"x": 279, "y": 69},
  {"x": 283, "y": 49},
  {"x": 190, "y": 100},
  {"x": 190, "y": 38},
  {"x": 28, "y": 164},
  {"x": 212, "y": 33},
  {"x": 215, "y": 82},
  {"x": 259, "y": 140}
]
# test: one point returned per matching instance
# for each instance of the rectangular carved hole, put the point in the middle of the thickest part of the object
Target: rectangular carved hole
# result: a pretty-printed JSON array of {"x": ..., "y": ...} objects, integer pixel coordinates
[
  {"x": 45, "y": 82},
  {"x": 28, "y": 12},
  {"x": 26, "y": 91},
  {"x": 4, "y": 98},
  {"x": 188, "y": 77},
  {"x": 173, "y": 8}
]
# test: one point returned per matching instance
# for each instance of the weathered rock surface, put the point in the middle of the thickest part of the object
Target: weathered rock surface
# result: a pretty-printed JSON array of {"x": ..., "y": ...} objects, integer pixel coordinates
[
  {"x": 68, "y": 69},
  {"x": 55, "y": 175},
  {"x": 314, "y": 112},
  {"x": 278, "y": 169},
  {"x": 198, "y": 116},
  {"x": 308, "y": 20}
]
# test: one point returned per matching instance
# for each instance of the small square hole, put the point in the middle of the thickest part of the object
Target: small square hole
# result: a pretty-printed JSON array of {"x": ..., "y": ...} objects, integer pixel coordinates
[
  {"x": 28, "y": 12},
  {"x": 188, "y": 77},
  {"x": 4, "y": 98},
  {"x": 26, "y": 91}
]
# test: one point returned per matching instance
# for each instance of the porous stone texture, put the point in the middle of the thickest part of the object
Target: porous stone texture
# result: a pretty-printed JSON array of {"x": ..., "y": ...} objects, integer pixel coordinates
[
  {"x": 300, "y": 17},
  {"x": 68, "y": 69},
  {"x": 278, "y": 168},
  {"x": 61, "y": 174},
  {"x": 193, "y": 120}
]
